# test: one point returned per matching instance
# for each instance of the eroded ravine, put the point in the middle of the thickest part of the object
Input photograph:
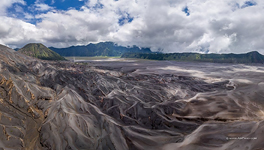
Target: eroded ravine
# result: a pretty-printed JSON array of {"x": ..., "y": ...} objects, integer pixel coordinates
[{"x": 64, "y": 105}]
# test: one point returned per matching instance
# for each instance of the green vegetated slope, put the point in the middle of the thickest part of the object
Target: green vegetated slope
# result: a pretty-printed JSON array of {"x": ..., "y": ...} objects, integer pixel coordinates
[
  {"x": 251, "y": 57},
  {"x": 109, "y": 49},
  {"x": 40, "y": 51}
]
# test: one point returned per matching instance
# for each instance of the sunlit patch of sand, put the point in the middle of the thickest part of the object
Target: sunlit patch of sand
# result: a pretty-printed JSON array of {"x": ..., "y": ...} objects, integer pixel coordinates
[{"x": 107, "y": 60}]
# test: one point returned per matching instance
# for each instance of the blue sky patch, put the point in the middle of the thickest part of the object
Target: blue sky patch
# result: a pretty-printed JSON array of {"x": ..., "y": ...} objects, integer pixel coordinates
[
  {"x": 186, "y": 11},
  {"x": 248, "y": 4},
  {"x": 67, "y": 4},
  {"x": 27, "y": 12},
  {"x": 124, "y": 20}
]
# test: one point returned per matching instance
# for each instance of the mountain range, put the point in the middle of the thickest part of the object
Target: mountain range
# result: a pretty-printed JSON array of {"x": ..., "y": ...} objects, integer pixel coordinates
[
  {"x": 111, "y": 49},
  {"x": 251, "y": 57},
  {"x": 100, "y": 49}
]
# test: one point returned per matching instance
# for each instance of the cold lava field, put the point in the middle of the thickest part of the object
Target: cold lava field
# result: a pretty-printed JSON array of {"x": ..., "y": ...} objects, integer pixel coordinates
[{"x": 129, "y": 104}]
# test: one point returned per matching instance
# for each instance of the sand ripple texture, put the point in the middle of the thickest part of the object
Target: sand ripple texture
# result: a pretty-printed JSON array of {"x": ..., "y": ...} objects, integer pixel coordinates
[{"x": 129, "y": 105}]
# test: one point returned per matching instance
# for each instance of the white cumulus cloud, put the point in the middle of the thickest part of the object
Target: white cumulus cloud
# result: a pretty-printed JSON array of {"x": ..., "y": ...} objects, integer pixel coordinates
[
  {"x": 8, "y": 3},
  {"x": 42, "y": 7},
  {"x": 211, "y": 26}
]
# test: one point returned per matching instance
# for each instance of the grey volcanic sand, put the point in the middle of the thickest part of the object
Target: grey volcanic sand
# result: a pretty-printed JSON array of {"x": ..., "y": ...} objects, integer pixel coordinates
[{"x": 129, "y": 104}]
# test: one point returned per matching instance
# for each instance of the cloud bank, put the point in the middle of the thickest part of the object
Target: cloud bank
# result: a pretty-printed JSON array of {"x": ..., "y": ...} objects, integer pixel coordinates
[{"x": 169, "y": 25}]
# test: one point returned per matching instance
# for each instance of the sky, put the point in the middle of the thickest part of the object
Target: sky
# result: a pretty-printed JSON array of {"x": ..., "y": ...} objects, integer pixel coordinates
[{"x": 204, "y": 26}]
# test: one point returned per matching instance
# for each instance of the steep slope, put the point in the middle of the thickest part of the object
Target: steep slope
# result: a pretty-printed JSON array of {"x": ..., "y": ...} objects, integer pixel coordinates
[
  {"x": 40, "y": 51},
  {"x": 251, "y": 57},
  {"x": 100, "y": 49}
]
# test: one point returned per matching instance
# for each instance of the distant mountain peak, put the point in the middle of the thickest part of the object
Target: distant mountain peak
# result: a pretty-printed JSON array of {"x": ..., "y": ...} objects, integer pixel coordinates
[
  {"x": 38, "y": 50},
  {"x": 254, "y": 52}
]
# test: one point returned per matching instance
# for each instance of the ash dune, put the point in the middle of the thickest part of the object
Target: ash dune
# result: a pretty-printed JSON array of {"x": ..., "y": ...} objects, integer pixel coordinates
[{"x": 129, "y": 105}]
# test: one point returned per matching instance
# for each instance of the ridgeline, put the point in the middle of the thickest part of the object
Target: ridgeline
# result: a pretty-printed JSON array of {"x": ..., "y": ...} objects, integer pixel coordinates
[
  {"x": 100, "y": 49},
  {"x": 251, "y": 57}
]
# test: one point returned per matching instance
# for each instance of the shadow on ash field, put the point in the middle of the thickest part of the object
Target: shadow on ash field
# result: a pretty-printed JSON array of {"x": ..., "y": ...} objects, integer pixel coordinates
[{"x": 129, "y": 104}]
